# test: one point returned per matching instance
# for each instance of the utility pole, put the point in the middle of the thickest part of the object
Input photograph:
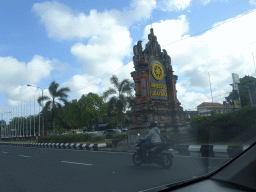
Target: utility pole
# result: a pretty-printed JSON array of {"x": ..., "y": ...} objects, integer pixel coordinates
[
  {"x": 254, "y": 63},
  {"x": 235, "y": 86},
  {"x": 248, "y": 87},
  {"x": 210, "y": 86}
]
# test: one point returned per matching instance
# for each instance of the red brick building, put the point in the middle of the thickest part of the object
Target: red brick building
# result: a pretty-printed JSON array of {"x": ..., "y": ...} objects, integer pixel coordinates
[
  {"x": 155, "y": 87},
  {"x": 206, "y": 108}
]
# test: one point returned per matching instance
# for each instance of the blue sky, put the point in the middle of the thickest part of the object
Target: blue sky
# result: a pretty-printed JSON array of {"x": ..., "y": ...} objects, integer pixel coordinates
[{"x": 77, "y": 43}]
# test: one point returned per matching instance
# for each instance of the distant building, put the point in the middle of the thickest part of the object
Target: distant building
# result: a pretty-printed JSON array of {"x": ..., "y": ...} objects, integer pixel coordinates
[
  {"x": 206, "y": 108},
  {"x": 190, "y": 114}
]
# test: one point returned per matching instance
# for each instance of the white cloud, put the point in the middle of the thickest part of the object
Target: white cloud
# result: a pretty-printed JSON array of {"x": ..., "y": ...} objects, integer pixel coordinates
[
  {"x": 221, "y": 51},
  {"x": 168, "y": 30},
  {"x": 104, "y": 54},
  {"x": 173, "y": 5},
  {"x": 82, "y": 84},
  {"x": 253, "y": 2},
  {"x": 109, "y": 40},
  {"x": 205, "y": 2},
  {"x": 16, "y": 74},
  {"x": 61, "y": 22}
]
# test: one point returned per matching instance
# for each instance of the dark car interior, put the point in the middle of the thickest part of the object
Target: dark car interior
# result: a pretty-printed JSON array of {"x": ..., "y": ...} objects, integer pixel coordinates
[{"x": 237, "y": 175}]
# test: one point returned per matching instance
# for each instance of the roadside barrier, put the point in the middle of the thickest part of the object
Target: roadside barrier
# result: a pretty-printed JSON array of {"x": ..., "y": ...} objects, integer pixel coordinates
[
  {"x": 89, "y": 146},
  {"x": 214, "y": 151}
]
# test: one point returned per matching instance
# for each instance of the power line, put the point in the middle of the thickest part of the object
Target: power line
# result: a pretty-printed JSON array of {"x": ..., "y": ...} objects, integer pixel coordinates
[
  {"x": 213, "y": 97},
  {"x": 172, "y": 43},
  {"x": 101, "y": 79},
  {"x": 209, "y": 28}
]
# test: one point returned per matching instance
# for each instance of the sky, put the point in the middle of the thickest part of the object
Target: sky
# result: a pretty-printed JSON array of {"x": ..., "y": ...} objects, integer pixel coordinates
[{"x": 80, "y": 44}]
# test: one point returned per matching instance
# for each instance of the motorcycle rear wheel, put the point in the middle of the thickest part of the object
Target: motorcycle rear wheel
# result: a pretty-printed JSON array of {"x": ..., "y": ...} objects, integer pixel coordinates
[
  {"x": 136, "y": 159},
  {"x": 167, "y": 161}
]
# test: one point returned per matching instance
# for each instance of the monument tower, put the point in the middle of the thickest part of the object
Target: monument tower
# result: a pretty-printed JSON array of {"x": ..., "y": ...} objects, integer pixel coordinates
[{"x": 155, "y": 88}]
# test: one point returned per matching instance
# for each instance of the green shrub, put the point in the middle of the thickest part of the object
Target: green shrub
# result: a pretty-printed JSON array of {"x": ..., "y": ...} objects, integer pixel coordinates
[
  {"x": 97, "y": 138},
  {"x": 119, "y": 135},
  {"x": 226, "y": 126},
  {"x": 68, "y": 138}
]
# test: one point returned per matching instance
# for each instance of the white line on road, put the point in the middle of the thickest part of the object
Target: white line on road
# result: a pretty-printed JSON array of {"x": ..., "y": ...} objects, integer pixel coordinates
[
  {"x": 4, "y": 152},
  {"x": 24, "y": 156},
  {"x": 76, "y": 163}
]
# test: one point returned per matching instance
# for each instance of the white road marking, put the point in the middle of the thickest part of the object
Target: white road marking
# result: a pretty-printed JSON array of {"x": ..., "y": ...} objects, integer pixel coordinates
[
  {"x": 4, "y": 152},
  {"x": 76, "y": 163},
  {"x": 24, "y": 156}
]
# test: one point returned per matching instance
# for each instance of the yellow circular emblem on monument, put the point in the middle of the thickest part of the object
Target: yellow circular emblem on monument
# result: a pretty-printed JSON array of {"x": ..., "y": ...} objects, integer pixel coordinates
[{"x": 157, "y": 71}]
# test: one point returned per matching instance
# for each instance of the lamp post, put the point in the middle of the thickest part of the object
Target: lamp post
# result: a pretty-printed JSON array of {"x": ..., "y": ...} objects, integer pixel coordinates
[
  {"x": 42, "y": 104},
  {"x": 2, "y": 124},
  {"x": 10, "y": 127},
  {"x": 6, "y": 129},
  {"x": 23, "y": 121},
  {"x": 26, "y": 133}
]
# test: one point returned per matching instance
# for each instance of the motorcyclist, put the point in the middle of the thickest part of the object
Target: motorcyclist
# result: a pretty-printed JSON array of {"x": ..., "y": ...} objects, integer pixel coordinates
[{"x": 152, "y": 138}]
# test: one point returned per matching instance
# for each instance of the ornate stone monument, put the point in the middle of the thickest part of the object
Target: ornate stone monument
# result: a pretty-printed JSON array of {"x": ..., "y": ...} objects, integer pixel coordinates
[{"x": 155, "y": 87}]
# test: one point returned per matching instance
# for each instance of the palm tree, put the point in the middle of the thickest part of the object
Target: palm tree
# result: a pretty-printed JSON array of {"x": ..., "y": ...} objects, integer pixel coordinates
[
  {"x": 119, "y": 101},
  {"x": 53, "y": 102}
]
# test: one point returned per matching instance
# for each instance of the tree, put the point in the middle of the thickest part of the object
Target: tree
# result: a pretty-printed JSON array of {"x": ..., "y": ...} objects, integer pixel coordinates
[
  {"x": 61, "y": 117},
  {"x": 245, "y": 83},
  {"x": 53, "y": 102},
  {"x": 91, "y": 108},
  {"x": 118, "y": 102},
  {"x": 73, "y": 114}
]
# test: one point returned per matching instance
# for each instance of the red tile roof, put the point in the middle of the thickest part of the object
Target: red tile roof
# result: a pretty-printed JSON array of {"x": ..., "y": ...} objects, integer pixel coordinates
[{"x": 209, "y": 104}]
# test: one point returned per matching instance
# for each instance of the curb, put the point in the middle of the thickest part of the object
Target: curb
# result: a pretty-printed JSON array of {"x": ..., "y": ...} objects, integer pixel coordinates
[
  {"x": 213, "y": 151},
  {"x": 89, "y": 146}
]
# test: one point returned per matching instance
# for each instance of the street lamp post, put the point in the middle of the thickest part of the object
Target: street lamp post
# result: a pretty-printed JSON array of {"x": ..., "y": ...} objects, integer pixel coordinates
[
  {"x": 30, "y": 119},
  {"x": 6, "y": 128},
  {"x": 23, "y": 122},
  {"x": 9, "y": 125},
  {"x": 42, "y": 104}
]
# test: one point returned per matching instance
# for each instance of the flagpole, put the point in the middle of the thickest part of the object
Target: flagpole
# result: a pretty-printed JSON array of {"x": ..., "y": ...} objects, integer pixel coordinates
[
  {"x": 34, "y": 115},
  {"x": 30, "y": 118}
]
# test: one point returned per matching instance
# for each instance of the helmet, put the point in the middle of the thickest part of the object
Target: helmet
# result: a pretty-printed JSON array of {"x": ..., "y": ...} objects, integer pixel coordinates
[{"x": 153, "y": 123}]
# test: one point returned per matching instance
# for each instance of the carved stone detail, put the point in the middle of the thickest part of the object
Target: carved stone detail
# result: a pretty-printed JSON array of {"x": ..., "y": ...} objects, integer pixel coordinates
[
  {"x": 162, "y": 118},
  {"x": 133, "y": 119},
  {"x": 142, "y": 117},
  {"x": 167, "y": 111},
  {"x": 149, "y": 117},
  {"x": 144, "y": 86}
]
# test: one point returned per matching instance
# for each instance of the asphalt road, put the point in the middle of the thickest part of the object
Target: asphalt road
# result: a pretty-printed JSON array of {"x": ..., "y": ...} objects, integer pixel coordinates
[{"x": 42, "y": 169}]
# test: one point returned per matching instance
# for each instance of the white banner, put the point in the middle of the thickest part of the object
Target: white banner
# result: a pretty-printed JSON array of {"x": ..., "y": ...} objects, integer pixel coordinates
[{"x": 235, "y": 78}]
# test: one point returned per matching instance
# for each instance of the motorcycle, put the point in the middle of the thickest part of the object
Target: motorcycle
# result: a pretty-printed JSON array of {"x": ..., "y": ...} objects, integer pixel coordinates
[{"x": 160, "y": 154}]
